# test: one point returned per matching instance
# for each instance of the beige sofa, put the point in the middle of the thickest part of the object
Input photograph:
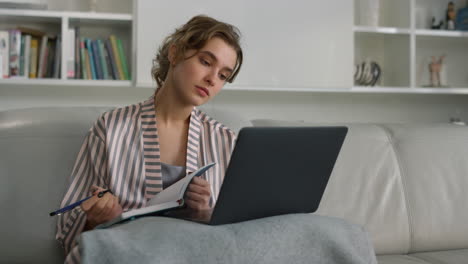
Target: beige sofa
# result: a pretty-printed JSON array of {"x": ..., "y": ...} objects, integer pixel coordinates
[
  {"x": 407, "y": 184},
  {"x": 404, "y": 183}
]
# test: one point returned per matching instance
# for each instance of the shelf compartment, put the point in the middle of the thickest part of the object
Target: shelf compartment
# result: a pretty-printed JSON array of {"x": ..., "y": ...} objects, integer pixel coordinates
[
  {"x": 424, "y": 10},
  {"x": 386, "y": 13},
  {"x": 382, "y": 48},
  {"x": 454, "y": 72},
  {"x": 102, "y": 30}
]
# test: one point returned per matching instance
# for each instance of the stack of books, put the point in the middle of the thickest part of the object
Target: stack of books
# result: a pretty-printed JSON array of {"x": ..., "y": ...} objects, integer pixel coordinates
[
  {"x": 29, "y": 53},
  {"x": 96, "y": 59}
]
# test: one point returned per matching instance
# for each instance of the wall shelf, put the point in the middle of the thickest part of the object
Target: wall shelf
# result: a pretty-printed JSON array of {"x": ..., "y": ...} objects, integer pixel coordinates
[
  {"x": 91, "y": 25},
  {"x": 59, "y": 82},
  {"x": 403, "y": 44},
  {"x": 381, "y": 30},
  {"x": 407, "y": 90},
  {"x": 21, "y": 13},
  {"x": 441, "y": 33}
]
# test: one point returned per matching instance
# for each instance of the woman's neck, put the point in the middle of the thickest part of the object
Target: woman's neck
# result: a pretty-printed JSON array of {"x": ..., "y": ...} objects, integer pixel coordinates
[{"x": 170, "y": 110}]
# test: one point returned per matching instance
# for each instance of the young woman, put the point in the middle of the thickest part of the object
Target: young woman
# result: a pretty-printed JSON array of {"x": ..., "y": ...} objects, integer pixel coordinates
[{"x": 138, "y": 150}]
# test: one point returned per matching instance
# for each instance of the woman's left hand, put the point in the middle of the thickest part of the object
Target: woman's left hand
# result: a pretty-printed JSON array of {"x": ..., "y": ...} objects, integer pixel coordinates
[{"x": 198, "y": 195}]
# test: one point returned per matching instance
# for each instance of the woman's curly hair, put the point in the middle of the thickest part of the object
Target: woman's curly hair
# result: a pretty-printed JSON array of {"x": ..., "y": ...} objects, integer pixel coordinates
[{"x": 194, "y": 35}]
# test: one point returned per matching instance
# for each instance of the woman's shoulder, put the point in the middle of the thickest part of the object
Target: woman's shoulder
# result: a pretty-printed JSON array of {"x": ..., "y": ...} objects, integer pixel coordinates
[
  {"x": 212, "y": 123},
  {"x": 121, "y": 112}
]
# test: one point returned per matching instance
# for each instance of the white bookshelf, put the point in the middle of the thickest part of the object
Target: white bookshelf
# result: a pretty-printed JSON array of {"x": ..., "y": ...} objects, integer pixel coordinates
[
  {"x": 403, "y": 43},
  {"x": 92, "y": 25}
]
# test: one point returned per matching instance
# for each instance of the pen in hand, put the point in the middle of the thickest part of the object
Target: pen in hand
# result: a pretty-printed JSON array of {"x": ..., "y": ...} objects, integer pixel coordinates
[{"x": 73, "y": 205}]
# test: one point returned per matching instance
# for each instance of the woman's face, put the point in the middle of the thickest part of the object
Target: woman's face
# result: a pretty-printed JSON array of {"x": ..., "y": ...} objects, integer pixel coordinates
[{"x": 201, "y": 77}]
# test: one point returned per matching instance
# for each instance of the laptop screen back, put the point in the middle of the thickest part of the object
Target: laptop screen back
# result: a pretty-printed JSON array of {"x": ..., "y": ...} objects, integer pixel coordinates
[{"x": 277, "y": 170}]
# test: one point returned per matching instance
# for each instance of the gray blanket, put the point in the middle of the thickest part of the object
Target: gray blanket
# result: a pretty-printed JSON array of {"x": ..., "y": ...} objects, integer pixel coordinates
[{"x": 294, "y": 238}]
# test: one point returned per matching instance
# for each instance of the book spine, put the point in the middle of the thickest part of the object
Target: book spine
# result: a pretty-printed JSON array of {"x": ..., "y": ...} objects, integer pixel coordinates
[
  {"x": 91, "y": 59},
  {"x": 97, "y": 60},
  {"x": 42, "y": 55},
  {"x": 71, "y": 70},
  {"x": 21, "y": 57},
  {"x": 88, "y": 66},
  {"x": 33, "y": 58},
  {"x": 123, "y": 59},
  {"x": 58, "y": 58},
  {"x": 102, "y": 57},
  {"x": 50, "y": 59},
  {"x": 15, "y": 52},
  {"x": 84, "y": 72},
  {"x": 78, "y": 74},
  {"x": 108, "y": 62},
  {"x": 115, "y": 73},
  {"x": 4, "y": 53},
  {"x": 1, "y": 66},
  {"x": 27, "y": 55},
  {"x": 116, "y": 57}
]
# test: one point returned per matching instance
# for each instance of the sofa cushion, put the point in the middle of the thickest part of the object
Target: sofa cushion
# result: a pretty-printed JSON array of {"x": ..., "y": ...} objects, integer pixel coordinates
[
  {"x": 434, "y": 257},
  {"x": 444, "y": 257},
  {"x": 39, "y": 147},
  {"x": 405, "y": 182},
  {"x": 365, "y": 186},
  {"x": 434, "y": 169},
  {"x": 399, "y": 259}
]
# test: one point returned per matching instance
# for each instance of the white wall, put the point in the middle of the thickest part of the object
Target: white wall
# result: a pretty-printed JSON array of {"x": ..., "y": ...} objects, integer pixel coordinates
[
  {"x": 285, "y": 44},
  {"x": 280, "y": 105}
]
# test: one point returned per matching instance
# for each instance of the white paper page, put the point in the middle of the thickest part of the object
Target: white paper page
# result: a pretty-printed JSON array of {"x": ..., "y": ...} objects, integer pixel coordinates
[{"x": 177, "y": 190}]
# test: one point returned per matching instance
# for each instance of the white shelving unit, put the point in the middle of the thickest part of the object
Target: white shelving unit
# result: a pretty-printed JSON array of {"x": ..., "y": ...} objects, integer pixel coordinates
[
  {"x": 402, "y": 43},
  {"x": 91, "y": 24}
]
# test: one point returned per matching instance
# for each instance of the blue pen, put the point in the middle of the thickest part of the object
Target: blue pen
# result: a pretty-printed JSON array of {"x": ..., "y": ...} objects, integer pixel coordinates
[{"x": 73, "y": 205}]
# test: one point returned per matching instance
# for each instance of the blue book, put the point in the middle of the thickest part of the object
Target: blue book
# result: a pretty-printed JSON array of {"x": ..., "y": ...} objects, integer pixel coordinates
[
  {"x": 97, "y": 60},
  {"x": 91, "y": 59}
]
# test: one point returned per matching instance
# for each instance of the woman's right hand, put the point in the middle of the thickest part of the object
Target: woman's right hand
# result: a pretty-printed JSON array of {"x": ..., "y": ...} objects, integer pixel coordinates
[{"x": 100, "y": 210}]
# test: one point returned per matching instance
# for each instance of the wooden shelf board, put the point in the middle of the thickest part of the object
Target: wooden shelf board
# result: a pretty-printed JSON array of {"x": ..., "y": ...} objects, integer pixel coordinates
[
  {"x": 441, "y": 33},
  {"x": 381, "y": 30},
  {"x": 57, "y": 82}
]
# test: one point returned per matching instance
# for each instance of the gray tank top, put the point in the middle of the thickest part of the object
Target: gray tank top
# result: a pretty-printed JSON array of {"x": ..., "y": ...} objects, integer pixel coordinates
[{"x": 171, "y": 174}]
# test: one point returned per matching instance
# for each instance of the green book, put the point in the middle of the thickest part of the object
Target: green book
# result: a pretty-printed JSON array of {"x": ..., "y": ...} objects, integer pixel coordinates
[{"x": 122, "y": 59}]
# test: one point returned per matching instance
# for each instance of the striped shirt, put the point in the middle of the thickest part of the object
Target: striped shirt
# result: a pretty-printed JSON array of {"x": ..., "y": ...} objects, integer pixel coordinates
[{"x": 121, "y": 153}]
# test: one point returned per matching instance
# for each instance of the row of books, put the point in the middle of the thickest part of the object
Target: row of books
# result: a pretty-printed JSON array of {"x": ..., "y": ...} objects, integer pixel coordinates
[
  {"x": 96, "y": 59},
  {"x": 29, "y": 53}
]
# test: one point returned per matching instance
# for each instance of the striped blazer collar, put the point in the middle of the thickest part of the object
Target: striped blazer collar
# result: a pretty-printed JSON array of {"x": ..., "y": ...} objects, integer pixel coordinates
[{"x": 151, "y": 150}]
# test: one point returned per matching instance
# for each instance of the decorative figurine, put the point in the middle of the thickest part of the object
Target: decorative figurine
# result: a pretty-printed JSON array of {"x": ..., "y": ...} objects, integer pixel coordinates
[
  {"x": 434, "y": 69},
  {"x": 434, "y": 26},
  {"x": 450, "y": 16}
]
